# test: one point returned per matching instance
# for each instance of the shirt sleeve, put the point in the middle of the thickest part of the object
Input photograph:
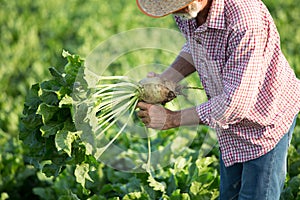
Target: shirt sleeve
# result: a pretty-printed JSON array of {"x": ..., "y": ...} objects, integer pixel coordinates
[
  {"x": 185, "y": 50},
  {"x": 242, "y": 76}
]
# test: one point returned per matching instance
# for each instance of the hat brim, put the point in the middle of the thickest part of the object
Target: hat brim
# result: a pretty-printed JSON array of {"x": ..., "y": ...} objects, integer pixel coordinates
[{"x": 161, "y": 8}]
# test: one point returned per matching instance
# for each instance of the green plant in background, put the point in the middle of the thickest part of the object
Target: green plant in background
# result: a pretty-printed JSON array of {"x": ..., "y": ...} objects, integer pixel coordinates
[
  {"x": 47, "y": 128},
  {"x": 15, "y": 175}
]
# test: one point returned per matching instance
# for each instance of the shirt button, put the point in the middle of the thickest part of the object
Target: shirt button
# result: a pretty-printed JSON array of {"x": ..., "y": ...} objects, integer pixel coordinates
[{"x": 198, "y": 40}]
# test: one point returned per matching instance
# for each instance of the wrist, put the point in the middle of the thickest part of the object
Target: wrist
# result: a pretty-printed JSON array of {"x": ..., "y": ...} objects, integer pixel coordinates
[
  {"x": 186, "y": 117},
  {"x": 176, "y": 119}
]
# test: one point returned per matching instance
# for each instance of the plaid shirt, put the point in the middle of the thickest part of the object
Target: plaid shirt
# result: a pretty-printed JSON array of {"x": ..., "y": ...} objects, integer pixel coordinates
[{"x": 253, "y": 94}]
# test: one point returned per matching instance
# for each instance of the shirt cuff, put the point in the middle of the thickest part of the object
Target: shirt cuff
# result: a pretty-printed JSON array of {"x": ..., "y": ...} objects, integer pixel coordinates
[
  {"x": 203, "y": 111},
  {"x": 205, "y": 115}
]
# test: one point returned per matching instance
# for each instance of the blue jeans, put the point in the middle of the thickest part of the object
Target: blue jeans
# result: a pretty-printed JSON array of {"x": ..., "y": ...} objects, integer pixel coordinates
[{"x": 259, "y": 179}]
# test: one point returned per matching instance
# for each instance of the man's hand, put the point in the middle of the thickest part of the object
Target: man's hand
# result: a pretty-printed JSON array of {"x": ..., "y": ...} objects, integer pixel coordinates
[
  {"x": 152, "y": 74},
  {"x": 158, "y": 117}
]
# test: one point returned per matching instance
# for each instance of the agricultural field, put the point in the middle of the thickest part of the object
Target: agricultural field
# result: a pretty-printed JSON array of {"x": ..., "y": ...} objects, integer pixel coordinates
[{"x": 44, "y": 44}]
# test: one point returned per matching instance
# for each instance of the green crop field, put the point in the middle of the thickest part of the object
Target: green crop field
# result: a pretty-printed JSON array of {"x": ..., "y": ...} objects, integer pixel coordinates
[{"x": 61, "y": 162}]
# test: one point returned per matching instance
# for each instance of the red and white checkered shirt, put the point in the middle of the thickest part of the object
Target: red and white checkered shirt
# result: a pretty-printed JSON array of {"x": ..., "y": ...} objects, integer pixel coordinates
[{"x": 253, "y": 94}]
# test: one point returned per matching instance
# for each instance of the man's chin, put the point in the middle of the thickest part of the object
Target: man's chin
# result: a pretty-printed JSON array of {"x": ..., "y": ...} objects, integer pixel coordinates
[{"x": 186, "y": 16}]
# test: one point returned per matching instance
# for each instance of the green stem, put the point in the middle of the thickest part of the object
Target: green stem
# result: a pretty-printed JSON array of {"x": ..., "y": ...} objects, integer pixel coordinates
[
  {"x": 148, "y": 169},
  {"x": 121, "y": 111},
  {"x": 120, "y": 131}
]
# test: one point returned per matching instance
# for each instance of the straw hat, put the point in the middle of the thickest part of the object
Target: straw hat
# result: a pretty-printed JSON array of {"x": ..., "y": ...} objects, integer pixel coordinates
[{"x": 160, "y": 8}]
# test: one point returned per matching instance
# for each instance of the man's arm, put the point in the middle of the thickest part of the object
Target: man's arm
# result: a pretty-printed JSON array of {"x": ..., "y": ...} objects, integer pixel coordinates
[
  {"x": 178, "y": 70},
  {"x": 158, "y": 117},
  {"x": 243, "y": 74}
]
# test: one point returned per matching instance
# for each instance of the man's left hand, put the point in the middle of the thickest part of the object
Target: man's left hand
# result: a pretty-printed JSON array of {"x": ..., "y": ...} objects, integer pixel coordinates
[{"x": 156, "y": 116}]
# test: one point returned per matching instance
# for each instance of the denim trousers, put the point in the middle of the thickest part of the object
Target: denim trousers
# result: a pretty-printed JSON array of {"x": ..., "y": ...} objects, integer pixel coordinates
[{"x": 259, "y": 179}]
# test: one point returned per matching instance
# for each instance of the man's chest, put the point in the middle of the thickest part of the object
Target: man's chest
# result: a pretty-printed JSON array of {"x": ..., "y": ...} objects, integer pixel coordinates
[{"x": 209, "y": 52}]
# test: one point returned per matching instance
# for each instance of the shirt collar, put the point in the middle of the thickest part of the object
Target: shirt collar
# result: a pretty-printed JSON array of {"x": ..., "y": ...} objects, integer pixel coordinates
[
  {"x": 216, "y": 16},
  {"x": 215, "y": 19}
]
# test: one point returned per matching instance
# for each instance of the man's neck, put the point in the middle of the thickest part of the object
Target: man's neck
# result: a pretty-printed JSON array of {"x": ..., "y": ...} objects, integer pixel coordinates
[{"x": 202, "y": 15}]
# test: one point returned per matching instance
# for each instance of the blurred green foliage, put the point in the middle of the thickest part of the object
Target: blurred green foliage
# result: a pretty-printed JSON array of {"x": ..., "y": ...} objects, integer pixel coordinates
[{"x": 34, "y": 33}]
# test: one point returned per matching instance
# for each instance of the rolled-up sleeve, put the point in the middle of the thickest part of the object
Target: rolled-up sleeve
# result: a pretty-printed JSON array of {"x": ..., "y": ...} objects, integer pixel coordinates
[{"x": 185, "y": 50}]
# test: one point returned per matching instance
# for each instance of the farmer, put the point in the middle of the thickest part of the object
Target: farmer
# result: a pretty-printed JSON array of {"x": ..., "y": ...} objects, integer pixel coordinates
[{"x": 253, "y": 94}]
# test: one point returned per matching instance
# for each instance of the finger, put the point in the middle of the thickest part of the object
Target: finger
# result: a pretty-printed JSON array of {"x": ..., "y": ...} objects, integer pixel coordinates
[
  {"x": 143, "y": 106},
  {"x": 142, "y": 114},
  {"x": 152, "y": 74},
  {"x": 146, "y": 120}
]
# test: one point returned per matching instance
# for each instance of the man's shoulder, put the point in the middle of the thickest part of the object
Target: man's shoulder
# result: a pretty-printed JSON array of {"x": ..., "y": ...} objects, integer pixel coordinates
[{"x": 245, "y": 14}]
